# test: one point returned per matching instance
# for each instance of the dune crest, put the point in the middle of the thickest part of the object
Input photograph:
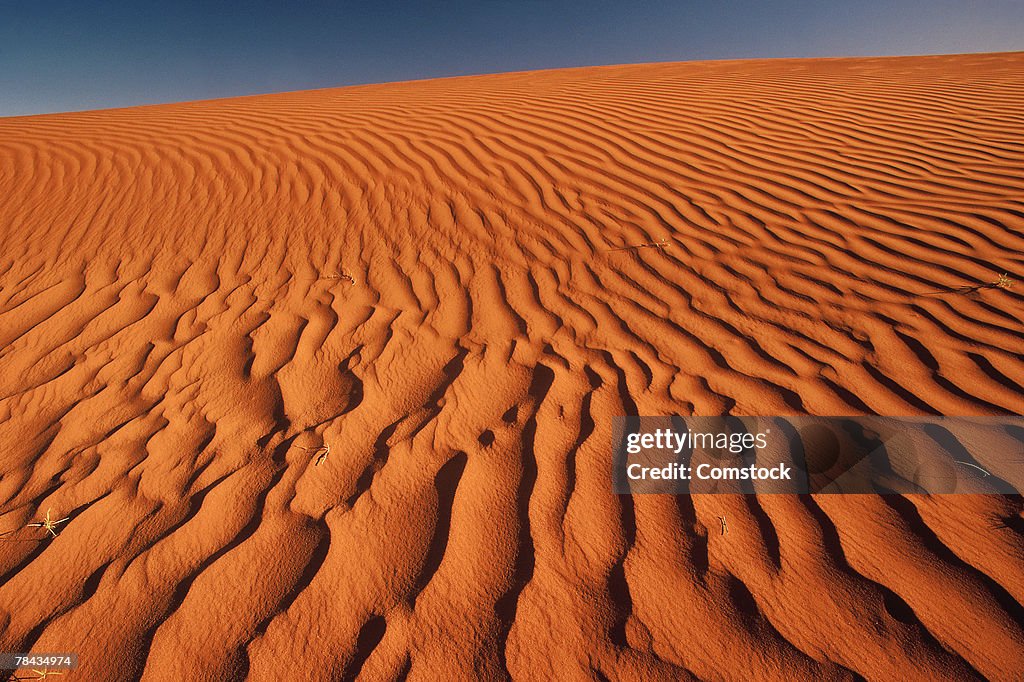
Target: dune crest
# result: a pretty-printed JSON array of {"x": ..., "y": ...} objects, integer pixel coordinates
[{"x": 455, "y": 284}]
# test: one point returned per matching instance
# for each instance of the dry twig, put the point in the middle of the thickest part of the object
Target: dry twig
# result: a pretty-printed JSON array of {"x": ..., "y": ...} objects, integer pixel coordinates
[
  {"x": 320, "y": 453},
  {"x": 40, "y": 675},
  {"x": 344, "y": 275},
  {"x": 48, "y": 524},
  {"x": 972, "y": 465},
  {"x": 660, "y": 244},
  {"x": 1002, "y": 282}
]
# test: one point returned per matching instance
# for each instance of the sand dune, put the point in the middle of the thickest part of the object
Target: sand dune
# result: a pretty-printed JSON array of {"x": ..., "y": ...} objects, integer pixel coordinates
[{"x": 455, "y": 284}]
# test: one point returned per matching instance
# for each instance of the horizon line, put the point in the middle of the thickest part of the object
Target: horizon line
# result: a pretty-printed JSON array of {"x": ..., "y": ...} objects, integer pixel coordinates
[{"x": 342, "y": 86}]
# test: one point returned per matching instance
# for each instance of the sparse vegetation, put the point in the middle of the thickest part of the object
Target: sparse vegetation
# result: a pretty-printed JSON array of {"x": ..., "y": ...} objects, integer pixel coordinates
[
  {"x": 48, "y": 524},
  {"x": 1004, "y": 281},
  {"x": 343, "y": 276},
  {"x": 320, "y": 453},
  {"x": 660, "y": 244},
  {"x": 39, "y": 675}
]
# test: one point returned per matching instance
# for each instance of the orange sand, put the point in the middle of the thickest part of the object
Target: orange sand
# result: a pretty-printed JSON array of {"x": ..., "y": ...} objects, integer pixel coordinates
[{"x": 423, "y": 276}]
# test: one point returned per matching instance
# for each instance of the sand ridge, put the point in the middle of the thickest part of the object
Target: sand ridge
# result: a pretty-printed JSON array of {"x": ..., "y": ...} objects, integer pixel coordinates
[{"x": 456, "y": 284}]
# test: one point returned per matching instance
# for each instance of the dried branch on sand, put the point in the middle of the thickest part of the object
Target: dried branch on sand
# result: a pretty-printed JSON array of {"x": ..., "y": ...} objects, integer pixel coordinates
[
  {"x": 1002, "y": 282},
  {"x": 48, "y": 524},
  {"x": 660, "y": 244},
  {"x": 320, "y": 453}
]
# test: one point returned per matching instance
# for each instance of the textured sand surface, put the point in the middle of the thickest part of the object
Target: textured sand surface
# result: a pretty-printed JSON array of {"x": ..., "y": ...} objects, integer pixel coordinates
[{"x": 424, "y": 276}]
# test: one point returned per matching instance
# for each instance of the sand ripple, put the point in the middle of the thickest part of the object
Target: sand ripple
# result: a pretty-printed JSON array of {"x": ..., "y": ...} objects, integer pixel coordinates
[{"x": 446, "y": 281}]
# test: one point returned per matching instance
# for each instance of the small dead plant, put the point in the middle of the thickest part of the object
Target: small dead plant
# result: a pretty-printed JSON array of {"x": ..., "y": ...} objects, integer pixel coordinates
[
  {"x": 1004, "y": 281},
  {"x": 48, "y": 524},
  {"x": 320, "y": 453},
  {"x": 660, "y": 244},
  {"x": 342, "y": 276}
]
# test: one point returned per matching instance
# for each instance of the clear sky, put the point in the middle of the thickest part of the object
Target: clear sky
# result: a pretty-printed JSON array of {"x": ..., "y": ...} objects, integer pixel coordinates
[{"x": 62, "y": 55}]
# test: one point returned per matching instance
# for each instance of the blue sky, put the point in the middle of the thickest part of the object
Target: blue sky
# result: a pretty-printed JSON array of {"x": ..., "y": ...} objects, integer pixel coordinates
[{"x": 90, "y": 54}]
